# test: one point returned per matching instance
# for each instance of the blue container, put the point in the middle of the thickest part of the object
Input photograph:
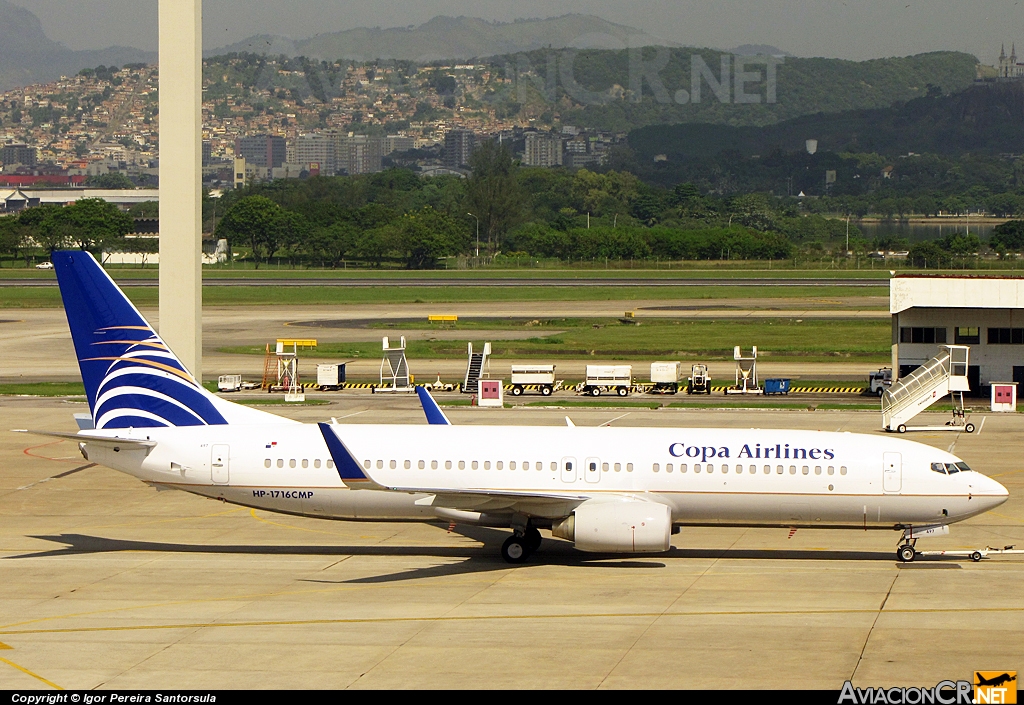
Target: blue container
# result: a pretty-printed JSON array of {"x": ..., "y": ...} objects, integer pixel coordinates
[{"x": 776, "y": 386}]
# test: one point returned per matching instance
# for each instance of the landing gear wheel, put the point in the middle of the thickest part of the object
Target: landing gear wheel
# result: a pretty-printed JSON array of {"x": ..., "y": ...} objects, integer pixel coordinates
[
  {"x": 517, "y": 391},
  {"x": 901, "y": 428},
  {"x": 969, "y": 428},
  {"x": 515, "y": 549},
  {"x": 595, "y": 392},
  {"x": 880, "y": 392},
  {"x": 906, "y": 553},
  {"x": 532, "y": 539},
  {"x": 545, "y": 391},
  {"x": 976, "y": 556},
  {"x": 622, "y": 391}
]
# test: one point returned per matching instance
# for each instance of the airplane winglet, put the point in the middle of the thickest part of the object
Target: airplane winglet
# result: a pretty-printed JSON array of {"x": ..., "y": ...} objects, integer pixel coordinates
[
  {"x": 348, "y": 467},
  {"x": 435, "y": 417}
]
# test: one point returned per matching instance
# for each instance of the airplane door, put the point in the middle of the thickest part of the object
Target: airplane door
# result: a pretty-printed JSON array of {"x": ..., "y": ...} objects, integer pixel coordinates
[
  {"x": 892, "y": 472},
  {"x": 220, "y": 464},
  {"x": 592, "y": 470},
  {"x": 568, "y": 469}
]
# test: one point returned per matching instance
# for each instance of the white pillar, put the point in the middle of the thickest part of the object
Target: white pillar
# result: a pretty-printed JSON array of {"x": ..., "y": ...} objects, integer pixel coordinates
[{"x": 181, "y": 207}]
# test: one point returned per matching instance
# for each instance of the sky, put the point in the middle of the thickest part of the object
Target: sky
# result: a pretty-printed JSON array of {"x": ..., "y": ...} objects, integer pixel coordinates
[{"x": 848, "y": 29}]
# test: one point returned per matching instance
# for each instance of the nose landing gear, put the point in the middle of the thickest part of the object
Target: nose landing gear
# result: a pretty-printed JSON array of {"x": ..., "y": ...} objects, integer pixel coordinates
[{"x": 906, "y": 552}]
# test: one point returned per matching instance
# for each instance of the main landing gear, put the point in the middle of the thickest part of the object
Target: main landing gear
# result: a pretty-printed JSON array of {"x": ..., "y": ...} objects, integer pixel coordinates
[{"x": 520, "y": 546}]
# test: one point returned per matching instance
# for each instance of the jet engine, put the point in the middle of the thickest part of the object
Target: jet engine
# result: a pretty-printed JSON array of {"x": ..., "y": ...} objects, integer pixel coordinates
[{"x": 601, "y": 526}]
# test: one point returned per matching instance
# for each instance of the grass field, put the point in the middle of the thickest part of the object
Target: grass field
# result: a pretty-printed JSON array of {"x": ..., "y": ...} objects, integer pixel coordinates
[
  {"x": 36, "y": 297},
  {"x": 44, "y": 389},
  {"x": 812, "y": 339}
]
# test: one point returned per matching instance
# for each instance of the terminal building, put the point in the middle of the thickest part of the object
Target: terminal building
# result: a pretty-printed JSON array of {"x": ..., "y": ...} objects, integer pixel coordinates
[{"x": 985, "y": 313}]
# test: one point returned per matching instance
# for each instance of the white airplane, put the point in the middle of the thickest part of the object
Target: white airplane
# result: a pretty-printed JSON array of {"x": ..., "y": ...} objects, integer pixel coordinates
[{"x": 616, "y": 490}]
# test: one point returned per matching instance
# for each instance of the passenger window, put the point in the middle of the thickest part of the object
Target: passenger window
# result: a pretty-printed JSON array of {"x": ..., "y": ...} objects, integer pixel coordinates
[
  {"x": 291, "y": 463},
  {"x": 433, "y": 465},
  {"x": 629, "y": 467},
  {"x": 618, "y": 467},
  {"x": 421, "y": 464},
  {"x": 393, "y": 464},
  {"x": 842, "y": 469},
  {"x": 447, "y": 465},
  {"x": 779, "y": 469},
  {"x": 475, "y": 465},
  {"x": 767, "y": 469},
  {"x": 316, "y": 463},
  {"x": 487, "y": 465},
  {"x": 604, "y": 467},
  {"x": 696, "y": 467},
  {"x": 725, "y": 469},
  {"x": 831, "y": 470},
  {"x": 554, "y": 466},
  {"x": 792, "y": 469},
  {"x": 805, "y": 469},
  {"x": 817, "y": 469},
  {"x": 512, "y": 465},
  {"x": 753, "y": 469},
  {"x": 498, "y": 465},
  {"x": 407, "y": 464},
  {"x": 266, "y": 463},
  {"x": 280, "y": 462},
  {"x": 682, "y": 467},
  {"x": 462, "y": 465},
  {"x": 380, "y": 464},
  {"x": 656, "y": 467},
  {"x": 330, "y": 463},
  {"x": 305, "y": 463},
  {"x": 710, "y": 468},
  {"x": 668, "y": 467}
]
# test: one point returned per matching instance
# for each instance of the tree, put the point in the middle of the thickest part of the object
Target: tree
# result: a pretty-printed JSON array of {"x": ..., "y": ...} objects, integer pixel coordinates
[
  {"x": 110, "y": 181},
  {"x": 426, "y": 235},
  {"x": 88, "y": 224},
  {"x": 1008, "y": 236},
  {"x": 493, "y": 192},
  {"x": 13, "y": 236},
  {"x": 333, "y": 243},
  {"x": 254, "y": 222}
]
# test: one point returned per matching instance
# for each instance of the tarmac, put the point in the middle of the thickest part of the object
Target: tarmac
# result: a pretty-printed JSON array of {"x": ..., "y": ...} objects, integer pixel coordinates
[{"x": 107, "y": 583}]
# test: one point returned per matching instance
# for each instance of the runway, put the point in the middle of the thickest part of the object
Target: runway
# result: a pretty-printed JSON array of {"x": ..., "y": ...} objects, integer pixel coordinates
[{"x": 107, "y": 583}]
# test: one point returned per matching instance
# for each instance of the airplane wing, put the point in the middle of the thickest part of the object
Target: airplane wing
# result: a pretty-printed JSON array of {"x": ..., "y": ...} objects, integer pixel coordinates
[
  {"x": 127, "y": 443},
  {"x": 434, "y": 414}
]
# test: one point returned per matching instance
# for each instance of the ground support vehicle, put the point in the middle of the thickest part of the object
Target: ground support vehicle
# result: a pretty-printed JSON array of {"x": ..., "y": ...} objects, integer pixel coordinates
[
  {"x": 699, "y": 381},
  {"x": 616, "y": 379},
  {"x": 665, "y": 376},
  {"x": 539, "y": 377}
]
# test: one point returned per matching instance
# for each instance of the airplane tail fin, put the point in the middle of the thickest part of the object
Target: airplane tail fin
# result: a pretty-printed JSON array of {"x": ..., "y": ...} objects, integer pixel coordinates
[
  {"x": 435, "y": 416},
  {"x": 132, "y": 379}
]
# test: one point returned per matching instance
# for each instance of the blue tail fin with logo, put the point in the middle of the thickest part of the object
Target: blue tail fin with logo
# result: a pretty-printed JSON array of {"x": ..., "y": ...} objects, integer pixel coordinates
[{"x": 132, "y": 379}]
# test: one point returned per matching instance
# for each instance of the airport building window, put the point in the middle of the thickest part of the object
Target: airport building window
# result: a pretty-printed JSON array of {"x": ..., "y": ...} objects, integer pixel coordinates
[
  {"x": 316, "y": 463},
  {"x": 433, "y": 465},
  {"x": 656, "y": 467},
  {"x": 330, "y": 463},
  {"x": 1006, "y": 336},
  {"x": 842, "y": 470},
  {"x": 291, "y": 463},
  {"x": 280, "y": 462},
  {"x": 629, "y": 467},
  {"x": 922, "y": 335},
  {"x": 968, "y": 335},
  {"x": 394, "y": 464},
  {"x": 266, "y": 463}
]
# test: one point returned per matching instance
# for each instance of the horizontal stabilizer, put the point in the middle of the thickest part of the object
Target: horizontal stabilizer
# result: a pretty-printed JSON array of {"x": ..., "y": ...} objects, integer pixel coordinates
[{"x": 132, "y": 443}]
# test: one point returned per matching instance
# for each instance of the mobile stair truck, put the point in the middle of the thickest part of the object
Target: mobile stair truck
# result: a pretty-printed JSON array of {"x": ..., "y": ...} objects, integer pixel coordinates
[
  {"x": 541, "y": 377},
  {"x": 665, "y": 376},
  {"x": 608, "y": 378},
  {"x": 946, "y": 373}
]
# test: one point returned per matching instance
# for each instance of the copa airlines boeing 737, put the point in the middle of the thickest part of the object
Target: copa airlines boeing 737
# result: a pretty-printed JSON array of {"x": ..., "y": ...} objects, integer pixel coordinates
[{"x": 604, "y": 489}]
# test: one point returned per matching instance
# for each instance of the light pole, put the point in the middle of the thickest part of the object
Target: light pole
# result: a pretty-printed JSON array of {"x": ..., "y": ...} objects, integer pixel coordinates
[{"x": 477, "y": 234}]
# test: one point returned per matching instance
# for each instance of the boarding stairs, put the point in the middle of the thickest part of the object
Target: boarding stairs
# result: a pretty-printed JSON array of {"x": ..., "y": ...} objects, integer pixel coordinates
[
  {"x": 478, "y": 366},
  {"x": 946, "y": 373},
  {"x": 394, "y": 369}
]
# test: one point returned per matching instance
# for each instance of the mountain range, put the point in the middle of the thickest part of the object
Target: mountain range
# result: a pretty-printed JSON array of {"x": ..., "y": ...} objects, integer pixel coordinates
[
  {"x": 28, "y": 56},
  {"x": 451, "y": 38}
]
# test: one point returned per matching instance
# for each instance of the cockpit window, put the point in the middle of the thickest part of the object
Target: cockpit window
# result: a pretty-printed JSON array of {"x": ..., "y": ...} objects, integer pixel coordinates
[
  {"x": 962, "y": 467},
  {"x": 939, "y": 468}
]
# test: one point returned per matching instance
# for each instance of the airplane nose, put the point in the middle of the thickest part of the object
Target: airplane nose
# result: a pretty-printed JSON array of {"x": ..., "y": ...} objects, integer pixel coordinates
[{"x": 993, "y": 492}]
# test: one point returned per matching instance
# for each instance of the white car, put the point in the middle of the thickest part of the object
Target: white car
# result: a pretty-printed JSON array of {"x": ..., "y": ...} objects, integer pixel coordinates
[{"x": 44, "y": 265}]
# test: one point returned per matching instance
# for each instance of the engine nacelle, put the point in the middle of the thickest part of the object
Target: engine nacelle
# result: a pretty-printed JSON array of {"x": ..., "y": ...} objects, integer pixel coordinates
[{"x": 618, "y": 527}]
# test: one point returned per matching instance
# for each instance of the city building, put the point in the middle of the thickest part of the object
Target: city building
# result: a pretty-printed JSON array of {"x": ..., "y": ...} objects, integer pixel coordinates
[
  {"x": 317, "y": 152},
  {"x": 458, "y": 146},
  {"x": 14, "y": 154},
  {"x": 985, "y": 313},
  {"x": 542, "y": 149},
  {"x": 359, "y": 154},
  {"x": 398, "y": 143},
  {"x": 1008, "y": 67},
  {"x": 267, "y": 151}
]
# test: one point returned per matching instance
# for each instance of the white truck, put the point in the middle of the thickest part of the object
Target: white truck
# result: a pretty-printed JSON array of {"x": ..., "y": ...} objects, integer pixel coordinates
[
  {"x": 666, "y": 377},
  {"x": 540, "y": 376},
  {"x": 330, "y": 376},
  {"x": 229, "y": 383},
  {"x": 608, "y": 378},
  {"x": 879, "y": 381}
]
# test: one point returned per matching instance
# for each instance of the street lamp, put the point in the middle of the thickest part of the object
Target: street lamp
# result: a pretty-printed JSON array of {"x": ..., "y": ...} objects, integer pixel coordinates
[{"x": 477, "y": 234}]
